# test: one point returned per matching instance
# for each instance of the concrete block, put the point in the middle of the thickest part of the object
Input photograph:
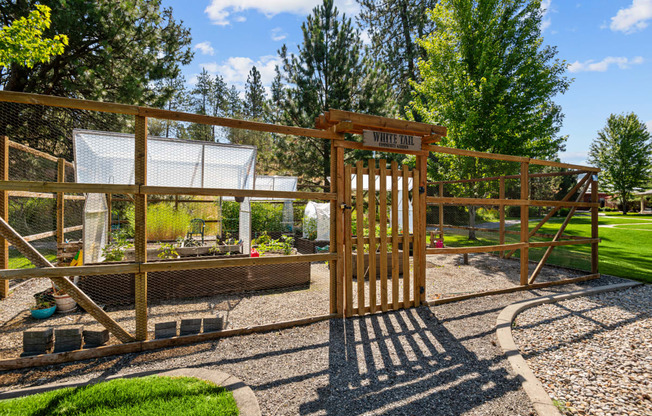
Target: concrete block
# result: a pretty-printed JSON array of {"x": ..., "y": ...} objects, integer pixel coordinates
[
  {"x": 67, "y": 339},
  {"x": 165, "y": 330},
  {"x": 213, "y": 324},
  {"x": 37, "y": 341},
  {"x": 190, "y": 326},
  {"x": 96, "y": 337}
]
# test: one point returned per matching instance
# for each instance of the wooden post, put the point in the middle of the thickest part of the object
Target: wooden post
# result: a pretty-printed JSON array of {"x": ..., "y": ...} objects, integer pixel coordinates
[
  {"x": 359, "y": 249},
  {"x": 341, "y": 179},
  {"x": 441, "y": 212},
  {"x": 109, "y": 203},
  {"x": 383, "y": 233},
  {"x": 416, "y": 238},
  {"x": 525, "y": 217},
  {"x": 594, "y": 223},
  {"x": 61, "y": 177},
  {"x": 4, "y": 213},
  {"x": 501, "y": 210},
  {"x": 348, "y": 244},
  {"x": 371, "y": 196},
  {"x": 422, "y": 164},
  {"x": 406, "y": 237},
  {"x": 395, "y": 235},
  {"x": 333, "y": 247},
  {"x": 140, "y": 237}
]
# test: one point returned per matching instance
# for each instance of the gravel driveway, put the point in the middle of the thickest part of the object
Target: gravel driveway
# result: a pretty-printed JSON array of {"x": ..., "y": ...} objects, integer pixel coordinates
[{"x": 442, "y": 360}]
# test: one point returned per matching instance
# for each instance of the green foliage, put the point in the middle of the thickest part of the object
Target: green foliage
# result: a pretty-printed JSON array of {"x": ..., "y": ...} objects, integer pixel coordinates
[
  {"x": 167, "y": 251},
  {"x": 623, "y": 150},
  {"x": 489, "y": 80},
  {"x": 266, "y": 217},
  {"x": 153, "y": 395},
  {"x": 394, "y": 26},
  {"x": 117, "y": 50},
  {"x": 22, "y": 41},
  {"x": 264, "y": 244},
  {"x": 163, "y": 221},
  {"x": 330, "y": 70},
  {"x": 115, "y": 249},
  {"x": 310, "y": 228}
]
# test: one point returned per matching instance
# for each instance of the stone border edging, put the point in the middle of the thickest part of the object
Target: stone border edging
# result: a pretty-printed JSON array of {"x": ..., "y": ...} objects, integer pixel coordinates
[
  {"x": 243, "y": 395},
  {"x": 532, "y": 386}
]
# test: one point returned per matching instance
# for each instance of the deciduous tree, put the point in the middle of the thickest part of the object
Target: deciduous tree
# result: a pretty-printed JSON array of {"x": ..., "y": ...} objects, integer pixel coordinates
[{"x": 623, "y": 150}]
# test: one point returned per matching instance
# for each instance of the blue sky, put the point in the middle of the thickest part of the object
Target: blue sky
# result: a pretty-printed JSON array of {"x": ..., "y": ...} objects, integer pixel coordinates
[{"x": 606, "y": 43}]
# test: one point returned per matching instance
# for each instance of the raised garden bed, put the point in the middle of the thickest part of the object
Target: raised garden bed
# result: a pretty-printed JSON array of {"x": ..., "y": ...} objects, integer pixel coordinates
[
  {"x": 116, "y": 289},
  {"x": 305, "y": 246},
  {"x": 366, "y": 264},
  {"x": 152, "y": 253}
]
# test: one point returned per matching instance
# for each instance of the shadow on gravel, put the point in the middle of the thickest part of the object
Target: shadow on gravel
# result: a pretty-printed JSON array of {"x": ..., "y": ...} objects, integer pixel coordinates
[{"x": 404, "y": 363}]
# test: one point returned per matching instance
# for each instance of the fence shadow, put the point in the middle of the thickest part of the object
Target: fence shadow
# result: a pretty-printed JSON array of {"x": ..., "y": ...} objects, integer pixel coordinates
[{"x": 404, "y": 363}]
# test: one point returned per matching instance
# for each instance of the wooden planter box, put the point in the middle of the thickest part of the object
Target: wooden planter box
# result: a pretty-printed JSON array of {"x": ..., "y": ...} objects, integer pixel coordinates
[
  {"x": 305, "y": 246},
  {"x": 117, "y": 289},
  {"x": 152, "y": 253},
  {"x": 389, "y": 264}
]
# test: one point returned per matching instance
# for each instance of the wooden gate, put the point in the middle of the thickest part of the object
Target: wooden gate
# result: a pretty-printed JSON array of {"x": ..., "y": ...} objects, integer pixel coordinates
[{"x": 378, "y": 217}]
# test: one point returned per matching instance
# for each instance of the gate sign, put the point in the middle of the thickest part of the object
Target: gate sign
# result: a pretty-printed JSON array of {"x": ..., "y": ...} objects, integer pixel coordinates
[{"x": 391, "y": 141}]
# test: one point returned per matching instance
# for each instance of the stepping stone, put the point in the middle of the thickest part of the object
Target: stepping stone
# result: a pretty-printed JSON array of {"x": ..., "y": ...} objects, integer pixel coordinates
[
  {"x": 165, "y": 329},
  {"x": 67, "y": 339},
  {"x": 37, "y": 341}
]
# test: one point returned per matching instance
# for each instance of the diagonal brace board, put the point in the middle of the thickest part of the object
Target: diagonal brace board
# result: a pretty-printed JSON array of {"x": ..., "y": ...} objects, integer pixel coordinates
[
  {"x": 80, "y": 297},
  {"x": 553, "y": 211},
  {"x": 557, "y": 236}
]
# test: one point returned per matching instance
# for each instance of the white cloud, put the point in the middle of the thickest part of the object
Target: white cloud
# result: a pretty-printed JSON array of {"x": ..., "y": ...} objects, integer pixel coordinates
[
  {"x": 278, "y": 34},
  {"x": 240, "y": 19},
  {"x": 603, "y": 65},
  {"x": 632, "y": 18},
  {"x": 220, "y": 11},
  {"x": 648, "y": 125},
  {"x": 205, "y": 48},
  {"x": 365, "y": 37},
  {"x": 236, "y": 69},
  {"x": 574, "y": 157},
  {"x": 545, "y": 19}
]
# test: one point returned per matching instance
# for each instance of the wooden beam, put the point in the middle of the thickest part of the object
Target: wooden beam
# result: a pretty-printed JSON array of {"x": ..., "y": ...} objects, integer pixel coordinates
[
  {"x": 406, "y": 232},
  {"x": 441, "y": 212},
  {"x": 422, "y": 166},
  {"x": 38, "y": 153},
  {"x": 564, "y": 242},
  {"x": 48, "y": 234},
  {"x": 476, "y": 249},
  {"x": 63, "y": 283},
  {"x": 416, "y": 232},
  {"x": 508, "y": 202},
  {"x": 348, "y": 243},
  {"x": 495, "y": 178},
  {"x": 371, "y": 212},
  {"x": 167, "y": 190},
  {"x": 501, "y": 209},
  {"x": 384, "y": 122},
  {"x": 333, "y": 289},
  {"x": 359, "y": 208},
  {"x": 68, "y": 187},
  {"x": 508, "y": 158},
  {"x": 395, "y": 252},
  {"x": 44, "y": 195},
  {"x": 382, "y": 198}
]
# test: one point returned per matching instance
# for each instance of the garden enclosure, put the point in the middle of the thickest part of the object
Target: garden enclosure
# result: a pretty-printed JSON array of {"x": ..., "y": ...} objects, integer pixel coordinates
[{"x": 362, "y": 218}]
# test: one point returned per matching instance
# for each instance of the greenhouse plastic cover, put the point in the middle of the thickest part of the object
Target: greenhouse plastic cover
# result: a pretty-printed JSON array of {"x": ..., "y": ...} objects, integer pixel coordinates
[
  {"x": 275, "y": 183},
  {"x": 319, "y": 215},
  {"x": 102, "y": 157}
]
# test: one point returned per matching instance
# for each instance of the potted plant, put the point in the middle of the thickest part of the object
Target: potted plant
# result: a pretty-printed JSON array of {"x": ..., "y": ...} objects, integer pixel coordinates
[
  {"x": 44, "y": 305},
  {"x": 64, "y": 302}
]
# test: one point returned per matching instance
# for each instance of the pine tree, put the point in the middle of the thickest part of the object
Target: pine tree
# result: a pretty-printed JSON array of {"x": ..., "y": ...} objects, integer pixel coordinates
[
  {"x": 254, "y": 96},
  {"x": 329, "y": 71},
  {"x": 393, "y": 27}
]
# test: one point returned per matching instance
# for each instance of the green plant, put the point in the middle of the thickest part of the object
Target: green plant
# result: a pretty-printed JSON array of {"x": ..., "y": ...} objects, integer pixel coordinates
[
  {"x": 284, "y": 245},
  {"x": 188, "y": 241},
  {"x": 164, "y": 222},
  {"x": 116, "y": 248},
  {"x": 167, "y": 251},
  {"x": 44, "y": 300},
  {"x": 310, "y": 228}
]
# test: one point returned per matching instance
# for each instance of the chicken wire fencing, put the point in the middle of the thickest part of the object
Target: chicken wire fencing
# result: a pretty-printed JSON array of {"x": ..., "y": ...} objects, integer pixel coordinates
[
  {"x": 474, "y": 224},
  {"x": 99, "y": 228}
]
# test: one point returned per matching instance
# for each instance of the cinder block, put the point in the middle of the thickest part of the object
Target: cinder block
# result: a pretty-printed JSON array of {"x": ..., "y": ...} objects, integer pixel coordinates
[
  {"x": 165, "y": 330},
  {"x": 190, "y": 326},
  {"x": 37, "y": 341},
  {"x": 38, "y": 334},
  {"x": 96, "y": 337},
  {"x": 213, "y": 324},
  {"x": 67, "y": 339}
]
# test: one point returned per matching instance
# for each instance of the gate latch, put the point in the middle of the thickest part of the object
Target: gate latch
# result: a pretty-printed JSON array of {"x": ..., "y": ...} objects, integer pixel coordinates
[{"x": 344, "y": 206}]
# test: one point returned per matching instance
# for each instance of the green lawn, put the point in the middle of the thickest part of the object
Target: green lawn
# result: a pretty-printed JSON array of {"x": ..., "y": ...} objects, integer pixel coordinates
[
  {"x": 18, "y": 261},
  {"x": 136, "y": 396},
  {"x": 624, "y": 251}
]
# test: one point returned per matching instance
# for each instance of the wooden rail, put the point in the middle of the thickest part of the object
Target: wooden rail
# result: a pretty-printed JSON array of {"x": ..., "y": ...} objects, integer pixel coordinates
[{"x": 433, "y": 200}]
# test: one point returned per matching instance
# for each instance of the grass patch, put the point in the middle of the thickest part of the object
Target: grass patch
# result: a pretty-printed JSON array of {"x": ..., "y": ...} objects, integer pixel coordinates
[
  {"x": 635, "y": 226},
  {"x": 151, "y": 395},
  {"x": 18, "y": 261}
]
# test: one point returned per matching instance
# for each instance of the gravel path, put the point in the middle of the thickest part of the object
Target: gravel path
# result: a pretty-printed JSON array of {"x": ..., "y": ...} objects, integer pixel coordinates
[
  {"x": 442, "y": 360},
  {"x": 593, "y": 354}
]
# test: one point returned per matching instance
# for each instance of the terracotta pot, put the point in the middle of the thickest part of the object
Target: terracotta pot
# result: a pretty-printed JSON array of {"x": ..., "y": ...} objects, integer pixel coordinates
[{"x": 65, "y": 303}]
